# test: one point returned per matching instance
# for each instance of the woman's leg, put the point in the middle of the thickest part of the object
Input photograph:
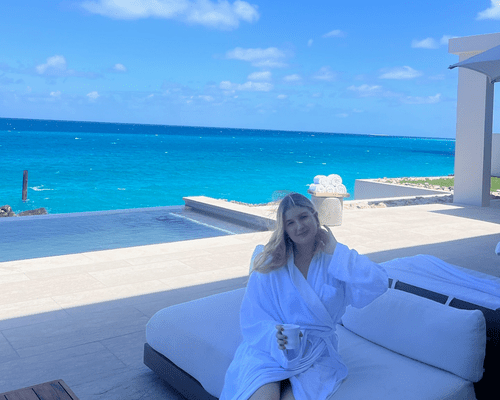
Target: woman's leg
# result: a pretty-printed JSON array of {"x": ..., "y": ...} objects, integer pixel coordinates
[
  {"x": 286, "y": 390},
  {"x": 270, "y": 391}
]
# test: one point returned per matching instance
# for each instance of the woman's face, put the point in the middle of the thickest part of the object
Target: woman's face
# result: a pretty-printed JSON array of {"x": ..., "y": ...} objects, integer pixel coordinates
[{"x": 301, "y": 225}]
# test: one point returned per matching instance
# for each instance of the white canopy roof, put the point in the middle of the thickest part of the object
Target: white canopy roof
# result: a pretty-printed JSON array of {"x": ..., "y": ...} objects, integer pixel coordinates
[{"x": 487, "y": 62}]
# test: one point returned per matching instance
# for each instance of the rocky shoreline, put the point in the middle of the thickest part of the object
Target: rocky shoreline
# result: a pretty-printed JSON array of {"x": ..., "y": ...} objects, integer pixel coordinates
[
  {"x": 403, "y": 182},
  {"x": 410, "y": 201},
  {"x": 6, "y": 211},
  {"x": 353, "y": 204}
]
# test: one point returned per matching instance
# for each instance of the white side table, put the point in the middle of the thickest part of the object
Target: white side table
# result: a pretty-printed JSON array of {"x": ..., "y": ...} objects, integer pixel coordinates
[{"x": 329, "y": 207}]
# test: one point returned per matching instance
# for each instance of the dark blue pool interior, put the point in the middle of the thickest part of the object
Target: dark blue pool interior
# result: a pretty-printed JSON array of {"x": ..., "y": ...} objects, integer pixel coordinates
[{"x": 52, "y": 235}]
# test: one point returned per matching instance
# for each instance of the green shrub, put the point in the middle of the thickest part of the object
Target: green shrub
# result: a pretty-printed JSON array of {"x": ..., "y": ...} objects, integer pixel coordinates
[{"x": 449, "y": 182}]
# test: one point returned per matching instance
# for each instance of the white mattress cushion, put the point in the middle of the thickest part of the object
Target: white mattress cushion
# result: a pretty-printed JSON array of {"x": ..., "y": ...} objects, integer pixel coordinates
[
  {"x": 422, "y": 329},
  {"x": 376, "y": 373},
  {"x": 200, "y": 336},
  {"x": 187, "y": 335}
]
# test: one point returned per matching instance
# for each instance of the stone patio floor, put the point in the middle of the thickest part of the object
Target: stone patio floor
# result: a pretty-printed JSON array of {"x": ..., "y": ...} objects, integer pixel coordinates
[{"x": 82, "y": 317}]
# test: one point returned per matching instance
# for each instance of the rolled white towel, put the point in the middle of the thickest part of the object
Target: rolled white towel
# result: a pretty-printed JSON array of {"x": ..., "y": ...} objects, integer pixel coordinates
[
  {"x": 340, "y": 189},
  {"x": 330, "y": 189},
  {"x": 321, "y": 180},
  {"x": 320, "y": 189},
  {"x": 334, "y": 179},
  {"x": 312, "y": 187}
]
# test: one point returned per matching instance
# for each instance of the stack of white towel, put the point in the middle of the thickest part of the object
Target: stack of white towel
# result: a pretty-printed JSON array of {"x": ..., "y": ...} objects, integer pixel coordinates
[{"x": 328, "y": 184}]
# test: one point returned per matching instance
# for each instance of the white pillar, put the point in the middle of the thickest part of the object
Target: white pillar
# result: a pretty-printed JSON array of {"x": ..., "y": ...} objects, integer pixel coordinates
[
  {"x": 473, "y": 140},
  {"x": 474, "y": 123}
]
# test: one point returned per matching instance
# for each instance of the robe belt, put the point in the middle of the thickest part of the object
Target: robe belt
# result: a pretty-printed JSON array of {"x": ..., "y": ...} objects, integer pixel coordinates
[{"x": 329, "y": 339}]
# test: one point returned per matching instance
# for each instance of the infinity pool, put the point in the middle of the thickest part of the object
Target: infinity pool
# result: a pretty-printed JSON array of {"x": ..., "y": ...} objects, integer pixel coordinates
[{"x": 51, "y": 235}]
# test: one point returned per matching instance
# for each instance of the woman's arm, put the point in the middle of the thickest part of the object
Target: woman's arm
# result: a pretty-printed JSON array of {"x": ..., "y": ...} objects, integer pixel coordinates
[
  {"x": 261, "y": 319},
  {"x": 364, "y": 279}
]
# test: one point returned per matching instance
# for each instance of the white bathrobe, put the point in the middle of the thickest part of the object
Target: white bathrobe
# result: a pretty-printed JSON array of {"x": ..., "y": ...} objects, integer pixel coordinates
[{"x": 317, "y": 304}]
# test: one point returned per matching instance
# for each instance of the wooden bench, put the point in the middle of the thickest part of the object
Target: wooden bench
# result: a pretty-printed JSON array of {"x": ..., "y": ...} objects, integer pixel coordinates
[{"x": 55, "y": 390}]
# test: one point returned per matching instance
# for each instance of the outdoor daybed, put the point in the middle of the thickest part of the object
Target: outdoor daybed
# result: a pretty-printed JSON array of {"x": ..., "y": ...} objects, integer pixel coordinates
[{"x": 413, "y": 342}]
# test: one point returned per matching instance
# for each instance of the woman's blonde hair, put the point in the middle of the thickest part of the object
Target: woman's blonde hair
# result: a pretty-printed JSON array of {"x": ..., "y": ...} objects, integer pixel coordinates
[{"x": 280, "y": 246}]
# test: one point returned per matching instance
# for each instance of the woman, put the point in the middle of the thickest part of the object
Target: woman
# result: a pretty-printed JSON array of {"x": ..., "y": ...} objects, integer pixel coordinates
[{"x": 304, "y": 277}]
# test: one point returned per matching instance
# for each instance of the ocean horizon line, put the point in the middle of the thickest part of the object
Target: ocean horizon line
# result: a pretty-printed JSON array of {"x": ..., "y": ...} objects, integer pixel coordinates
[{"x": 131, "y": 125}]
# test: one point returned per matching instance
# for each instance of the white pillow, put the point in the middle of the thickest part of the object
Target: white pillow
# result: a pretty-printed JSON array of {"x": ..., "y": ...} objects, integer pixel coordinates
[{"x": 422, "y": 329}]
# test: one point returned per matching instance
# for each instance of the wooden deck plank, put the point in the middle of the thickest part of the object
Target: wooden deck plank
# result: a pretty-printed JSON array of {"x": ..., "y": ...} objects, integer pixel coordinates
[
  {"x": 54, "y": 390},
  {"x": 22, "y": 394}
]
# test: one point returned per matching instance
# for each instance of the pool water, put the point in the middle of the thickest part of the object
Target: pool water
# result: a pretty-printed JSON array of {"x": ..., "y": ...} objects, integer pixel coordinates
[{"x": 59, "y": 234}]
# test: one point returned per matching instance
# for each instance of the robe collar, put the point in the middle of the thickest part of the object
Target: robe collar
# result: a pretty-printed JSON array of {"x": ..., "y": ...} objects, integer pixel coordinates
[
  {"x": 318, "y": 309},
  {"x": 306, "y": 291}
]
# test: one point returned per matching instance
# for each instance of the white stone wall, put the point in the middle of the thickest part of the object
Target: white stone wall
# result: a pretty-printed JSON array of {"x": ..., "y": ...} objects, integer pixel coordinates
[
  {"x": 495, "y": 155},
  {"x": 371, "y": 189}
]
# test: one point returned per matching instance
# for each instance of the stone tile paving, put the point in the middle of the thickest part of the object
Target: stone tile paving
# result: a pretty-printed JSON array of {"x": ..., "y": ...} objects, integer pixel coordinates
[{"x": 88, "y": 329}]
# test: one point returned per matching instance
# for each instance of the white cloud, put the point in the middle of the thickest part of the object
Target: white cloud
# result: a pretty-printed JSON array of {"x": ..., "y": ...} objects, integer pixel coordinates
[
  {"x": 334, "y": 33},
  {"x": 206, "y": 98},
  {"x": 490, "y": 13},
  {"x": 401, "y": 73},
  {"x": 119, "y": 68},
  {"x": 53, "y": 64},
  {"x": 256, "y": 86},
  {"x": 421, "y": 100},
  {"x": 221, "y": 14},
  {"x": 428, "y": 43},
  {"x": 260, "y": 76},
  {"x": 292, "y": 78},
  {"x": 325, "y": 74},
  {"x": 282, "y": 96},
  {"x": 431, "y": 43},
  {"x": 366, "y": 90},
  {"x": 309, "y": 42},
  {"x": 55, "y": 94},
  {"x": 444, "y": 40},
  {"x": 270, "y": 57},
  {"x": 56, "y": 67},
  {"x": 377, "y": 91},
  {"x": 342, "y": 115},
  {"x": 93, "y": 95},
  {"x": 247, "y": 86}
]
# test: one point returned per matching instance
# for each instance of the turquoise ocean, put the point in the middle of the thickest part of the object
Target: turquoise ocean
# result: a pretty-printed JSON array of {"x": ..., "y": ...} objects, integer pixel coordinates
[{"x": 91, "y": 166}]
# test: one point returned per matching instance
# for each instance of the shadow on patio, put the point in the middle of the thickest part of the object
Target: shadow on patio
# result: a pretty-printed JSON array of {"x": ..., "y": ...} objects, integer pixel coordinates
[{"x": 97, "y": 349}]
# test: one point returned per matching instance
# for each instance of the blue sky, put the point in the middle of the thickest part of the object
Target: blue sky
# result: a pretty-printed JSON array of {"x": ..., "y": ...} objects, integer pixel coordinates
[{"x": 331, "y": 66}]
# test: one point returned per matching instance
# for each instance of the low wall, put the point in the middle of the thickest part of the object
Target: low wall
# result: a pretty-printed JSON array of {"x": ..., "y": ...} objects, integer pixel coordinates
[
  {"x": 495, "y": 154},
  {"x": 371, "y": 189},
  {"x": 254, "y": 217}
]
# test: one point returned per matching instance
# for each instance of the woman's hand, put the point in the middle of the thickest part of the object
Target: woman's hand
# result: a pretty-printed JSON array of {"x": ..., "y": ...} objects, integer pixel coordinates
[{"x": 282, "y": 339}]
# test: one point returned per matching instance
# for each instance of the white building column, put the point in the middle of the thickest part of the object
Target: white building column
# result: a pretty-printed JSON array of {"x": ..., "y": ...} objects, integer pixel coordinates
[
  {"x": 473, "y": 140},
  {"x": 474, "y": 124}
]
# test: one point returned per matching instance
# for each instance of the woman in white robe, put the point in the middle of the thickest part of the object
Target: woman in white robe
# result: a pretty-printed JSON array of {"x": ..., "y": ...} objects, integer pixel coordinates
[{"x": 303, "y": 277}]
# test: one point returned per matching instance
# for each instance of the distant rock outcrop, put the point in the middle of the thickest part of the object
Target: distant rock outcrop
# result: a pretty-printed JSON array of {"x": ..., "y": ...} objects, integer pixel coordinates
[
  {"x": 6, "y": 211},
  {"x": 38, "y": 211}
]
